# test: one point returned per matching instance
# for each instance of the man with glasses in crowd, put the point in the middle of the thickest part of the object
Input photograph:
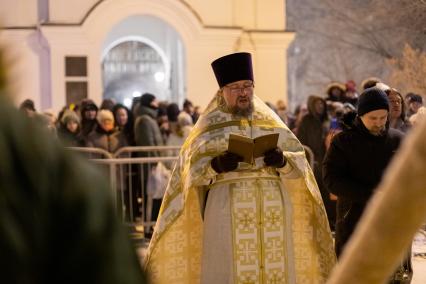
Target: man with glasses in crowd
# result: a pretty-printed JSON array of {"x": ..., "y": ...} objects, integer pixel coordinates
[{"x": 225, "y": 221}]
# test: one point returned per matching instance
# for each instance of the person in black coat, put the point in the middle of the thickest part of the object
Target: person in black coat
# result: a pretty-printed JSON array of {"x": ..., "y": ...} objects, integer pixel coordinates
[
  {"x": 89, "y": 110},
  {"x": 356, "y": 160}
]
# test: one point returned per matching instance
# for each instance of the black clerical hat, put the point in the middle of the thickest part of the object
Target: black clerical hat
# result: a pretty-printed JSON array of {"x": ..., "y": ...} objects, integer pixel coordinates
[{"x": 233, "y": 67}]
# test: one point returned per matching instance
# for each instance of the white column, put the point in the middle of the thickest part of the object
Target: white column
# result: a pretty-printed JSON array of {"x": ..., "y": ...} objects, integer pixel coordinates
[
  {"x": 269, "y": 50},
  {"x": 211, "y": 44}
]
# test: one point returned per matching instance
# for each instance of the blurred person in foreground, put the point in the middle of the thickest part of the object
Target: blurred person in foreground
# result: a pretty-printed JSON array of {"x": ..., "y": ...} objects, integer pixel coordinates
[
  {"x": 27, "y": 107},
  {"x": 415, "y": 118},
  {"x": 57, "y": 220},
  {"x": 225, "y": 218}
]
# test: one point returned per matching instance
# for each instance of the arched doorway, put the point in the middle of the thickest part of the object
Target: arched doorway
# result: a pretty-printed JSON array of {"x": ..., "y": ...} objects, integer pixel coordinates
[{"x": 143, "y": 54}]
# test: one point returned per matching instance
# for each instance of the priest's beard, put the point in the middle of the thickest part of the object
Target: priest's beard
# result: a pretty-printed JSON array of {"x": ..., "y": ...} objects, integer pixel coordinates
[{"x": 236, "y": 110}]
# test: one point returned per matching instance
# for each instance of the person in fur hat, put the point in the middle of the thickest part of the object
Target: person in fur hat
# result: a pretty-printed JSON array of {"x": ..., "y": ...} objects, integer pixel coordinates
[
  {"x": 69, "y": 129},
  {"x": 105, "y": 135},
  {"x": 370, "y": 82},
  {"x": 335, "y": 91}
]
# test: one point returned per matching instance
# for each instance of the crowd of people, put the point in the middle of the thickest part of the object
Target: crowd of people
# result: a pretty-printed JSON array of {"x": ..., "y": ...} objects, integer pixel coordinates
[
  {"x": 150, "y": 122},
  {"x": 112, "y": 125}
]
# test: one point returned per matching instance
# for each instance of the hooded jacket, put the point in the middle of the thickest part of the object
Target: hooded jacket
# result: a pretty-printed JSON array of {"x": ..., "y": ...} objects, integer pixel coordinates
[
  {"x": 87, "y": 125},
  {"x": 313, "y": 129},
  {"x": 147, "y": 131}
]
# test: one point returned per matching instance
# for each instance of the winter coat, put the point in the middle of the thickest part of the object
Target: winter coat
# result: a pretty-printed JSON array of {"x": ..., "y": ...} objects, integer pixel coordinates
[
  {"x": 110, "y": 141},
  {"x": 147, "y": 131},
  {"x": 87, "y": 126},
  {"x": 352, "y": 168},
  {"x": 127, "y": 132},
  {"x": 312, "y": 132},
  {"x": 68, "y": 138},
  {"x": 313, "y": 129}
]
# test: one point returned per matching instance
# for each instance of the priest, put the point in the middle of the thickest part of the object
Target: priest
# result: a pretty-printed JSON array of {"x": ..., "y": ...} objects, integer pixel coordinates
[{"x": 226, "y": 221}]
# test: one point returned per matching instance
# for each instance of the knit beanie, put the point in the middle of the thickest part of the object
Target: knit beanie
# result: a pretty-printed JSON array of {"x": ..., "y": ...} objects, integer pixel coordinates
[
  {"x": 147, "y": 99},
  {"x": 372, "y": 99}
]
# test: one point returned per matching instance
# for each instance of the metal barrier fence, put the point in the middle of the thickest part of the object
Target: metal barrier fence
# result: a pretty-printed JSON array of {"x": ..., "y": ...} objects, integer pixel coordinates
[{"x": 133, "y": 172}]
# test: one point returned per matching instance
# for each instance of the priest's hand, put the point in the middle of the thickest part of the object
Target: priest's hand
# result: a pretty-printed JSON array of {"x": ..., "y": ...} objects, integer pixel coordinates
[
  {"x": 275, "y": 158},
  {"x": 225, "y": 162}
]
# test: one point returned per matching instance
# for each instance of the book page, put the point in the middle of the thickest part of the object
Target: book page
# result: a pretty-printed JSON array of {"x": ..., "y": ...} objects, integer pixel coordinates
[
  {"x": 241, "y": 145},
  {"x": 264, "y": 143},
  {"x": 251, "y": 149}
]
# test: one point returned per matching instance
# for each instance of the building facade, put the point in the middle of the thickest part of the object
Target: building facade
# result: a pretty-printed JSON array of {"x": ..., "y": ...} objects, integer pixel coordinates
[{"x": 61, "y": 51}]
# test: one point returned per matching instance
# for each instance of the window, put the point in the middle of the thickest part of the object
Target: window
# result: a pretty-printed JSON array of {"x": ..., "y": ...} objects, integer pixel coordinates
[{"x": 76, "y": 85}]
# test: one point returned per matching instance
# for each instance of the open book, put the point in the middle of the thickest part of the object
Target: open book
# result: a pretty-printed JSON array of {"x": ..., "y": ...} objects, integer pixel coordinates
[{"x": 251, "y": 149}]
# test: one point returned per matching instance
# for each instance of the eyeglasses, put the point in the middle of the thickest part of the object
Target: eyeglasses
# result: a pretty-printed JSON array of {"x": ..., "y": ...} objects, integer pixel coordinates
[{"x": 246, "y": 89}]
